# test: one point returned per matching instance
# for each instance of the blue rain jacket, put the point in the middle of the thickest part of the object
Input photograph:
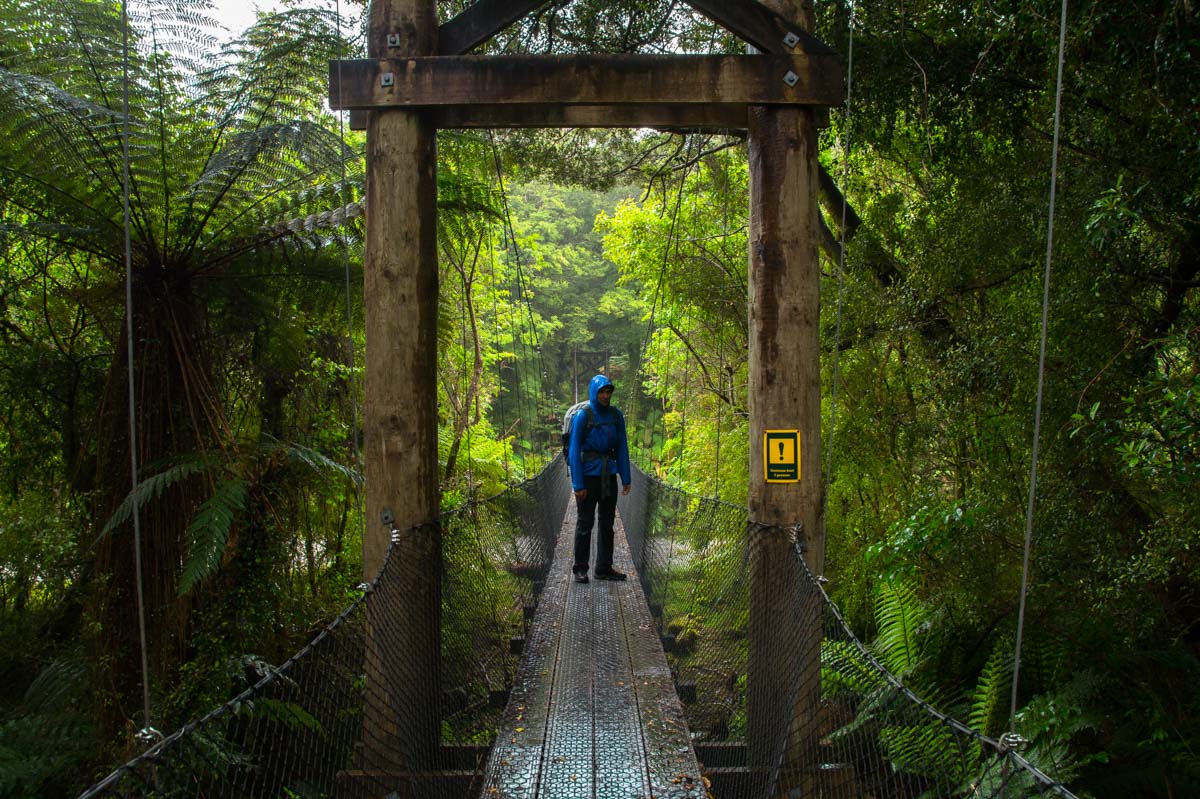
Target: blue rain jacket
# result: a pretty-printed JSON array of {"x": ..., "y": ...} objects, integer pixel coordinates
[{"x": 606, "y": 437}]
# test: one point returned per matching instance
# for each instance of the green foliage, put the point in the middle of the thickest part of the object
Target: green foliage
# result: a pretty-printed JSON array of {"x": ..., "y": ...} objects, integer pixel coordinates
[
  {"x": 900, "y": 619},
  {"x": 241, "y": 241},
  {"x": 990, "y": 700},
  {"x": 209, "y": 531},
  {"x": 47, "y": 736},
  {"x": 151, "y": 488}
]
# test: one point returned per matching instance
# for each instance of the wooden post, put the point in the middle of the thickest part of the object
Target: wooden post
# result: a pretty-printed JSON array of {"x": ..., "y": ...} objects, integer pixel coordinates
[
  {"x": 400, "y": 414},
  {"x": 785, "y": 394}
]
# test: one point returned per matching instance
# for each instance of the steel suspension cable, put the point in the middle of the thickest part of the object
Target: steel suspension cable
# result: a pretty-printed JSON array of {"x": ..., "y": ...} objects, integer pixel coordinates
[
  {"x": 148, "y": 731},
  {"x": 841, "y": 271},
  {"x": 659, "y": 284},
  {"x": 356, "y": 450},
  {"x": 522, "y": 290},
  {"x": 499, "y": 376},
  {"x": 1037, "y": 413}
]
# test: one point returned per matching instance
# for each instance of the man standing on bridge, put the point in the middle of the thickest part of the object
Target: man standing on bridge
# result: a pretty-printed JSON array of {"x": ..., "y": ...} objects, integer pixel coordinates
[{"x": 599, "y": 451}]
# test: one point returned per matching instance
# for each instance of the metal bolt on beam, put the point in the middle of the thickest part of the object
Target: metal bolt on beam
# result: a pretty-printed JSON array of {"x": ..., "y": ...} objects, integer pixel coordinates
[
  {"x": 791, "y": 78},
  {"x": 393, "y": 40},
  {"x": 791, "y": 40},
  {"x": 389, "y": 79}
]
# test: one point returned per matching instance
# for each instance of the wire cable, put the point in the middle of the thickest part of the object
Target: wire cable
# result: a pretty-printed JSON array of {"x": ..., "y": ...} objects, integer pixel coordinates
[
  {"x": 356, "y": 449},
  {"x": 129, "y": 353},
  {"x": 523, "y": 294},
  {"x": 841, "y": 274},
  {"x": 1037, "y": 414}
]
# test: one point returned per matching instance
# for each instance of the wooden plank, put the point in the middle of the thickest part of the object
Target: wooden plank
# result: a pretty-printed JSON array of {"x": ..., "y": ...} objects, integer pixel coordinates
[
  {"x": 586, "y": 80},
  {"x": 517, "y": 757},
  {"x": 717, "y": 116},
  {"x": 671, "y": 764},
  {"x": 760, "y": 26},
  {"x": 481, "y": 21}
]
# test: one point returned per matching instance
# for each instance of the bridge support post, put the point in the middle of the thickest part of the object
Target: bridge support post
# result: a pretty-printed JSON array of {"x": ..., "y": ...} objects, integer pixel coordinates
[
  {"x": 400, "y": 413},
  {"x": 783, "y": 679}
]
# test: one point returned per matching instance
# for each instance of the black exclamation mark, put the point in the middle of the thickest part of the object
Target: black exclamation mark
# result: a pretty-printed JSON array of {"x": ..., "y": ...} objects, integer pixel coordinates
[{"x": 781, "y": 445}]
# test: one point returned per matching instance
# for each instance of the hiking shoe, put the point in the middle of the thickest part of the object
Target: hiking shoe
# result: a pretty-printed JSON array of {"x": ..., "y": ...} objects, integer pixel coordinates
[
  {"x": 611, "y": 574},
  {"x": 581, "y": 577}
]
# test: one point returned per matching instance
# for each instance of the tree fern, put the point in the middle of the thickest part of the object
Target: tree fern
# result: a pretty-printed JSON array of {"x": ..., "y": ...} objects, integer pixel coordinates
[{"x": 208, "y": 533}]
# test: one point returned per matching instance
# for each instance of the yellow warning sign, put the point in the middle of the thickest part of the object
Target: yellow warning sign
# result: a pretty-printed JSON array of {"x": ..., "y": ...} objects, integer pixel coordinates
[{"x": 781, "y": 456}]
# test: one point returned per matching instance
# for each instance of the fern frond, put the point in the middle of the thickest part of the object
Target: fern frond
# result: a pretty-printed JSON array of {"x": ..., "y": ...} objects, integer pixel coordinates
[
  {"x": 930, "y": 749},
  {"x": 988, "y": 708},
  {"x": 54, "y": 687},
  {"x": 317, "y": 461},
  {"x": 900, "y": 617},
  {"x": 209, "y": 532},
  {"x": 843, "y": 668},
  {"x": 151, "y": 488}
]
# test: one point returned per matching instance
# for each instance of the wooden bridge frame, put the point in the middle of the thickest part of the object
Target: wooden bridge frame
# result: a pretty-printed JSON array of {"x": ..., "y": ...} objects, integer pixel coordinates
[{"x": 419, "y": 78}]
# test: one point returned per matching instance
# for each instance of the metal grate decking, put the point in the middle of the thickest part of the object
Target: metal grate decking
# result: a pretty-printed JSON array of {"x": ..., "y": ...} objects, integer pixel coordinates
[{"x": 593, "y": 712}]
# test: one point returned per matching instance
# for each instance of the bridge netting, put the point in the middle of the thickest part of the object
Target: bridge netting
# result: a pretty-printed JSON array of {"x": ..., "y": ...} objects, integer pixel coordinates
[{"x": 321, "y": 725}]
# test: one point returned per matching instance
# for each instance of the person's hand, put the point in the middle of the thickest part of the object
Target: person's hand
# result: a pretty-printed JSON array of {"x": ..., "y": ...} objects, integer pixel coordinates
[
  {"x": 581, "y": 494},
  {"x": 625, "y": 489}
]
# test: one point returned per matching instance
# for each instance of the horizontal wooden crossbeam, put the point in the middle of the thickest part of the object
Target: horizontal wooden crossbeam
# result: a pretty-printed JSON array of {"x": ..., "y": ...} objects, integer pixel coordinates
[
  {"x": 721, "y": 116},
  {"x": 592, "y": 80}
]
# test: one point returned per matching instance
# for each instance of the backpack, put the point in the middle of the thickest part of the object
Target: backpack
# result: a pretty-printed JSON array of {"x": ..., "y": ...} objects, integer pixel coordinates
[{"x": 584, "y": 406}]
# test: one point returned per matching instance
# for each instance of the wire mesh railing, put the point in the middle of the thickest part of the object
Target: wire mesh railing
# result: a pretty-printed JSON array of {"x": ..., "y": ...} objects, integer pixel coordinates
[
  {"x": 781, "y": 698},
  {"x": 343, "y": 717}
]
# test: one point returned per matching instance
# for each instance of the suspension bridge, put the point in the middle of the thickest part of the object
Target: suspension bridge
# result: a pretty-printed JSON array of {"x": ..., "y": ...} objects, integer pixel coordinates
[
  {"x": 550, "y": 688},
  {"x": 472, "y": 665}
]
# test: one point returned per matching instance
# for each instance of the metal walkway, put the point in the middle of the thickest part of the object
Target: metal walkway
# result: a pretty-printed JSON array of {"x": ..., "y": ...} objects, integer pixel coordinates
[{"x": 593, "y": 712}]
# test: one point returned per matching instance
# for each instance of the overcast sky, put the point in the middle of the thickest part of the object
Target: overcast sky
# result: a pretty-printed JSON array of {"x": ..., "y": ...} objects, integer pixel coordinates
[{"x": 237, "y": 15}]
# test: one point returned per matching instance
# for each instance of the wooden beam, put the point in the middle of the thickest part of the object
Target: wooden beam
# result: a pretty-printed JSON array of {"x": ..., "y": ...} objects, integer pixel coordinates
[
  {"x": 586, "y": 80},
  {"x": 481, "y": 21},
  {"x": 832, "y": 199},
  {"x": 713, "y": 118},
  {"x": 760, "y": 26},
  {"x": 783, "y": 686},
  {"x": 663, "y": 116},
  {"x": 400, "y": 286}
]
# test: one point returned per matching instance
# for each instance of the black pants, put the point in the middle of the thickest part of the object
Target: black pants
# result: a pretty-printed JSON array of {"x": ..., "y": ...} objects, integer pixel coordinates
[{"x": 587, "y": 517}]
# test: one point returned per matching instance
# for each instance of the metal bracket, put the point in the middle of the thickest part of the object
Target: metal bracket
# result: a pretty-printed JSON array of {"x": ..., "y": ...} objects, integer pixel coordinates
[
  {"x": 393, "y": 40},
  {"x": 149, "y": 735},
  {"x": 387, "y": 79},
  {"x": 791, "y": 40},
  {"x": 387, "y": 517},
  {"x": 791, "y": 78},
  {"x": 1012, "y": 742}
]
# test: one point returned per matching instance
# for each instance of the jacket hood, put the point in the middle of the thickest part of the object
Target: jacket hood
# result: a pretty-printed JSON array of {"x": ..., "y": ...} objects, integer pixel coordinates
[{"x": 598, "y": 382}]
